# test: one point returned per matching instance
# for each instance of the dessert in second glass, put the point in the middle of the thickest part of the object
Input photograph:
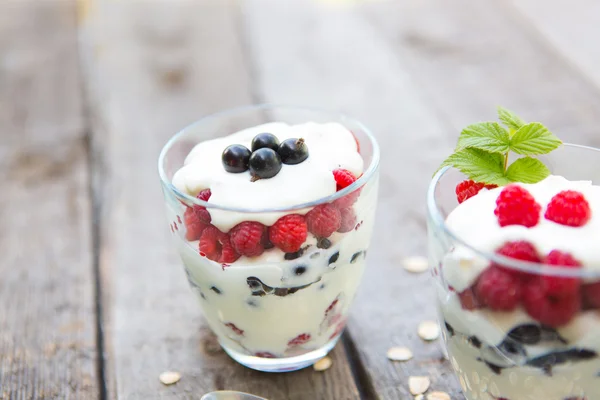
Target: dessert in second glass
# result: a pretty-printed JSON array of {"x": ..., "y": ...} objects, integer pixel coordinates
[
  {"x": 275, "y": 281},
  {"x": 517, "y": 265}
]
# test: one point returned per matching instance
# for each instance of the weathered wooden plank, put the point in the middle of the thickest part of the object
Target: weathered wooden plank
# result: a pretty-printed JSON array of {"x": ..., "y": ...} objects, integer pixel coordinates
[
  {"x": 328, "y": 56},
  {"x": 152, "y": 68},
  {"x": 570, "y": 27},
  {"x": 416, "y": 72},
  {"x": 47, "y": 322},
  {"x": 472, "y": 57}
]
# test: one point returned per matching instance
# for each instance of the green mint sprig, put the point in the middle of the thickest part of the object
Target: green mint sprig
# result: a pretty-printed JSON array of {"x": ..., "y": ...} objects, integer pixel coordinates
[{"x": 483, "y": 149}]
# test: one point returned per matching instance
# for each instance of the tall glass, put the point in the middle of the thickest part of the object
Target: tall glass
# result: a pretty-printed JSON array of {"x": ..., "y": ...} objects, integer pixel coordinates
[
  {"x": 510, "y": 355},
  {"x": 280, "y": 311}
]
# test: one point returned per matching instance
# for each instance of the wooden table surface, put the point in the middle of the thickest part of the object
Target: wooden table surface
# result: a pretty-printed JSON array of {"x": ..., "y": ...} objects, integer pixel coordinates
[{"x": 95, "y": 304}]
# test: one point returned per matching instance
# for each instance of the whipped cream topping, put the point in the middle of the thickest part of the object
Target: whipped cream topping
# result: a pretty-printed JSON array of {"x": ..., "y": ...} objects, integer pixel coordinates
[
  {"x": 330, "y": 146},
  {"x": 475, "y": 223}
]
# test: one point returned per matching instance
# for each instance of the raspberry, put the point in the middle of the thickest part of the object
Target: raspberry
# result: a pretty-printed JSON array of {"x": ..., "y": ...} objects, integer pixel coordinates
[
  {"x": 264, "y": 354},
  {"x": 338, "y": 329},
  {"x": 343, "y": 179},
  {"x": 468, "y": 300},
  {"x": 516, "y": 206},
  {"x": 201, "y": 211},
  {"x": 569, "y": 208},
  {"x": 549, "y": 310},
  {"x": 348, "y": 219},
  {"x": 288, "y": 233},
  {"x": 558, "y": 286},
  {"x": 234, "y": 328},
  {"x": 193, "y": 226},
  {"x": 247, "y": 238},
  {"x": 215, "y": 245},
  {"x": 323, "y": 220},
  {"x": 519, "y": 250},
  {"x": 498, "y": 289},
  {"x": 299, "y": 340},
  {"x": 591, "y": 294},
  {"x": 467, "y": 189}
]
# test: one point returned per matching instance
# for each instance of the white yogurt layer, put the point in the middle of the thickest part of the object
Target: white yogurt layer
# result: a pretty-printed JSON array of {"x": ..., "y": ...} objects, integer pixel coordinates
[
  {"x": 474, "y": 222},
  {"x": 330, "y": 146},
  {"x": 269, "y": 322}
]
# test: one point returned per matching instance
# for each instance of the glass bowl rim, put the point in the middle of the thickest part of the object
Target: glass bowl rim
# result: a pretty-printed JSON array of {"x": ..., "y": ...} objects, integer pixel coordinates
[
  {"x": 367, "y": 174},
  {"x": 526, "y": 266}
]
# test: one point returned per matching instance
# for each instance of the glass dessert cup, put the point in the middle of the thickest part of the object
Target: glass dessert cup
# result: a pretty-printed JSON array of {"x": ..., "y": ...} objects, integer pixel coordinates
[
  {"x": 279, "y": 311},
  {"x": 508, "y": 354}
]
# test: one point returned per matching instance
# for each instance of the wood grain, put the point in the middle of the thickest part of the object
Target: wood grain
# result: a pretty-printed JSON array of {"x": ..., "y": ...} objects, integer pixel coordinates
[
  {"x": 471, "y": 58},
  {"x": 152, "y": 68},
  {"x": 570, "y": 27},
  {"x": 47, "y": 322}
]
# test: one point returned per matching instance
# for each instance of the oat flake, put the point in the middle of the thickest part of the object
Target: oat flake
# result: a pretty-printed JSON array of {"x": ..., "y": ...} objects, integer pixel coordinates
[
  {"x": 418, "y": 384},
  {"x": 438, "y": 396},
  {"x": 429, "y": 330},
  {"x": 399, "y": 354},
  {"x": 169, "y": 377},
  {"x": 415, "y": 264},
  {"x": 323, "y": 364}
]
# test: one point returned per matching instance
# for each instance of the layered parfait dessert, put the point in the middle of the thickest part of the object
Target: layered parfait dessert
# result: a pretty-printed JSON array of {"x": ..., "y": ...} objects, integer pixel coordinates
[
  {"x": 517, "y": 268},
  {"x": 275, "y": 266}
]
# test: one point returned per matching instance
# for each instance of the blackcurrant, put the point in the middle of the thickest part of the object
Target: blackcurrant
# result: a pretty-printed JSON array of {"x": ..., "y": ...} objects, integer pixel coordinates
[
  {"x": 235, "y": 158},
  {"x": 265, "y": 140},
  {"x": 264, "y": 163},
  {"x": 293, "y": 151}
]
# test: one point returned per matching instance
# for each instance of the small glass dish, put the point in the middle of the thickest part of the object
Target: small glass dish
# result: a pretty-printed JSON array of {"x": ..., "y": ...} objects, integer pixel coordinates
[
  {"x": 278, "y": 312},
  {"x": 510, "y": 355}
]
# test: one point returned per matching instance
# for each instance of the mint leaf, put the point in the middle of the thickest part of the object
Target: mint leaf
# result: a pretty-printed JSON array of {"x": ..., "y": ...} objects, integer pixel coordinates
[
  {"x": 479, "y": 165},
  {"x": 488, "y": 136},
  {"x": 533, "y": 139},
  {"x": 527, "y": 170},
  {"x": 510, "y": 119}
]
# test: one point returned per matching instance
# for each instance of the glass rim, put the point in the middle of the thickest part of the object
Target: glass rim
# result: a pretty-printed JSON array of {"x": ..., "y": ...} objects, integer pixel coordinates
[
  {"x": 525, "y": 266},
  {"x": 364, "y": 178}
]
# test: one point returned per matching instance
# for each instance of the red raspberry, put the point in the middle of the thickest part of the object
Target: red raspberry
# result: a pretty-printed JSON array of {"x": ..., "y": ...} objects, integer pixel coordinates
[
  {"x": 549, "y": 310},
  {"x": 519, "y": 250},
  {"x": 591, "y": 294},
  {"x": 288, "y": 233},
  {"x": 234, "y": 328},
  {"x": 468, "y": 300},
  {"x": 558, "y": 286},
  {"x": 299, "y": 340},
  {"x": 323, "y": 220},
  {"x": 201, "y": 211},
  {"x": 343, "y": 179},
  {"x": 348, "y": 219},
  {"x": 467, "y": 189},
  {"x": 193, "y": 226},
  {"x": 338, "y": 329},
  {"x": 247, "y": 238},
  {"x": 264, "y": 354},
  {"x": 498, "y": 289},
  {"x": 569, "y": 208},
  {"x": 516, "y": 206},
  {"x": 215, "y": 245}
]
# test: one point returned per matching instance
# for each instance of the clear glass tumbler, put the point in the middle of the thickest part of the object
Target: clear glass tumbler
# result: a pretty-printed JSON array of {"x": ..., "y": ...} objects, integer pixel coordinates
[
  {"x": 280, "y": 311},
  {"x": 508, "y": 354}
]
